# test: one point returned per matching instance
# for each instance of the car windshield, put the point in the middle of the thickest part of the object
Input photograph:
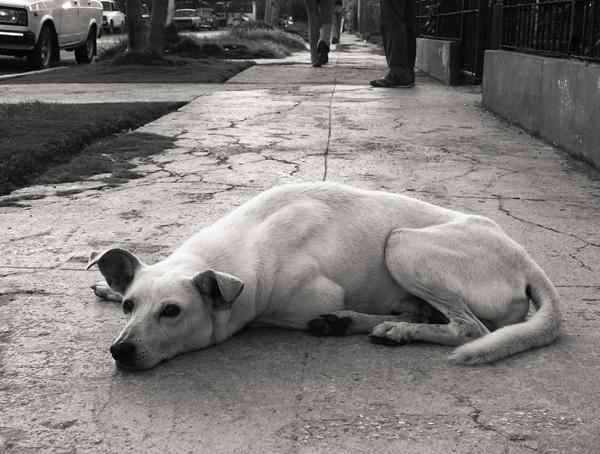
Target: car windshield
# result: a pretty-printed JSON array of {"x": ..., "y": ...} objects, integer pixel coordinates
[
  {"x": 107, "y": 6},
  {"x": 185, "y": 13}
]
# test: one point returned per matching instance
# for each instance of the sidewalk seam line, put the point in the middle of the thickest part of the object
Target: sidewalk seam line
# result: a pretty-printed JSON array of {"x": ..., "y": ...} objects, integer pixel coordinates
[{"x": 326, "y": 154}]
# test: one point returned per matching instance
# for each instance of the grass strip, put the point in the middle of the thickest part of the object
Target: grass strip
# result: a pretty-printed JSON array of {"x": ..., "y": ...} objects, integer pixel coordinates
[
  {"x": 37, "y": 136},
  {"x": 194, "y": 72}
]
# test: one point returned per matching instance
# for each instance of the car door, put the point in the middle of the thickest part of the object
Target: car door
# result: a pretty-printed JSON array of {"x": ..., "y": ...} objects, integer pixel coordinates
[
  {"x": 69, "y": 23},
  {"x": 86, "y": 13}
]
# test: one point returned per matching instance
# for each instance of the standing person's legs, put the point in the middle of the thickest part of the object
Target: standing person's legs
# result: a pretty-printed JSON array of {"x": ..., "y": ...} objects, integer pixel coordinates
[
  {"x": 395, "y": 43},
  {"x": 411, "y": 36}
]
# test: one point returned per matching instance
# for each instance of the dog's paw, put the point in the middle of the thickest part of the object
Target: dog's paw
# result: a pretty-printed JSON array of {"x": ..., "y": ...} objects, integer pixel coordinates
[
  {"x": 329, "y": 325},
  {"x": 104, "y": 291},
  {"x": 390, "y": 333}
]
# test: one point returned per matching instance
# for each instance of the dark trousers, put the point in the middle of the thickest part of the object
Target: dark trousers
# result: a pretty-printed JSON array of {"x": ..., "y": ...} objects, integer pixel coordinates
[
  {"x": 319, "y": 24},
  {"x": 399, "y": 33}
]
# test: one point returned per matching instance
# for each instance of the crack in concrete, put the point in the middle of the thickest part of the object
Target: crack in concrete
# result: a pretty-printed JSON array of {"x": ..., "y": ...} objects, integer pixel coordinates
[
  {"x": 37, "y": 292},
  {"x": 578, "y": 260},
  {"x": 284, "y": 161},
  {"x": 551, "y": 229},
  {"x": 236, "y": 123},
  {"x": 476, "y": 415}
]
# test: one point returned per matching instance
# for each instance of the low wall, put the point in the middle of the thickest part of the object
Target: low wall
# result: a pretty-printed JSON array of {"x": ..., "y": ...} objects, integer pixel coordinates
[
  {"x": 439, "y": 59},
  {"x": 559, "y": 99}
]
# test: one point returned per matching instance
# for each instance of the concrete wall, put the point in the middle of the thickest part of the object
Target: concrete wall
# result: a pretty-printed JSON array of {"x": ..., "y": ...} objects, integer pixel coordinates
[
  {"x": 559, "y": 99},
  {"x": 439, "y": 59}
]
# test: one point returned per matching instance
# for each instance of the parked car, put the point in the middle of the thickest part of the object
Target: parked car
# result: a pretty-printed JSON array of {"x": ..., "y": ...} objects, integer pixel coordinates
[
  {"x": 208, "y": 23},
  {"x": 38, "y": 30},
  {"x": 112, "y": 18},
  {"x": 233, "y": 21},
  {"x": 187, "y": 18}
]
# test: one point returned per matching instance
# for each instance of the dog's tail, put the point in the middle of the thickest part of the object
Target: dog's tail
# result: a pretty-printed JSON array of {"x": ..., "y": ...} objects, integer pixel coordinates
[{"x": 541, "y": 329}]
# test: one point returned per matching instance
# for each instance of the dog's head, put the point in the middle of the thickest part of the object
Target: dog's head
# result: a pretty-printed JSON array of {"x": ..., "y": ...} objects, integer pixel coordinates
[{"x": 168, "y": 309}]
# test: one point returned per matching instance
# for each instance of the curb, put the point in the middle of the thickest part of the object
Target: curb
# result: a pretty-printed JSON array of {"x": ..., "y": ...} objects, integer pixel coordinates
[{"x": 28, "y": 73}]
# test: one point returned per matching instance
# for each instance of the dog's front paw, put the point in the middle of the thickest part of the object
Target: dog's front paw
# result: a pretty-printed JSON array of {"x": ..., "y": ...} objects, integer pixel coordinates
[
  {"x": 102, "y": 290},
  {"x": 329, "y": 325},
  {"x": 390, "y": 333}
]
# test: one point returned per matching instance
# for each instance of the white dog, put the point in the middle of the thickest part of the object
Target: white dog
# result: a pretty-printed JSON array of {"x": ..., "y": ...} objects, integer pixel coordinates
[{"x": 336, "y": 260}]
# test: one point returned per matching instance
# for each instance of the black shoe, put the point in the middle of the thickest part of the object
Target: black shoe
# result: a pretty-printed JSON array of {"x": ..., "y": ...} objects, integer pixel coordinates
[
  {"x": 322, "y": 54},
  {"x": 392, "y": 81},
  {"x": 335, "y": 41}
]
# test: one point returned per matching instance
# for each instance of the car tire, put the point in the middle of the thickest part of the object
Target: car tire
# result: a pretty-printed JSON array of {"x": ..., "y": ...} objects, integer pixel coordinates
[
  {"x": 85, "y": 54},
  {"x": 43, "y": 53}
]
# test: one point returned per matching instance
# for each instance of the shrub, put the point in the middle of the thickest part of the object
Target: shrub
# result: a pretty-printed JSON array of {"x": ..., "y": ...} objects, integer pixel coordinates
[{"x": 277, "y": 36}]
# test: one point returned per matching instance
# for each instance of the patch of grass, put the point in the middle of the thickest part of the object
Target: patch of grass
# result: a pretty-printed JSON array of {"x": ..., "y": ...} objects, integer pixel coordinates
[
  {"x": 277, "y": 36},
  {"x": 300, "y": 29},
  {"x": 37, "y": 136},
  {"x": 228, "y": 46},
  {"x": 194, "y": 72},
  {"x": 248, "y": 40}
]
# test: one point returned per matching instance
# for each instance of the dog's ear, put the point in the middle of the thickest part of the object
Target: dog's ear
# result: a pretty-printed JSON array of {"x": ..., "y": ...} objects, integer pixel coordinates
[
  {"x": 221, "y": 288},
  {"x": 118, "y": 267}
]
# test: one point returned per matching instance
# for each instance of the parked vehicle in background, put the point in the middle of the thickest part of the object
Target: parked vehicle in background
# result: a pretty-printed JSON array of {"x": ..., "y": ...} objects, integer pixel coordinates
[
  {"x": 208, "y": 23},
  {"x": 236, "y": 20},
  {"x": 145, "y": 13},
  {"x": 112, "y": 18},
  {"x": 187, "y": 19},
  {"x": 39, "y": 29}
]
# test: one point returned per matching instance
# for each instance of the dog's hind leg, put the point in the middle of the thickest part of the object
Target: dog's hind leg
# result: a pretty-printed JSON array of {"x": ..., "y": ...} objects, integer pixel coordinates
[
  {"x": 456, "y": 268},
  {"x": 102, "y": 290},
  {"x": 349, "y": 322}
]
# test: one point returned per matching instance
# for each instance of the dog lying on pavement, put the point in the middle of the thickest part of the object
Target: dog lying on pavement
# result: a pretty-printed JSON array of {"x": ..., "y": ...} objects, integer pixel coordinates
[{"x": 336, "y": 260}]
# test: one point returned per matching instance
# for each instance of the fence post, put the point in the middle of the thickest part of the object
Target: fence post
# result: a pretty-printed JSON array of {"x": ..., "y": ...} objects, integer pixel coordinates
[{"x": 495, "y": 41}]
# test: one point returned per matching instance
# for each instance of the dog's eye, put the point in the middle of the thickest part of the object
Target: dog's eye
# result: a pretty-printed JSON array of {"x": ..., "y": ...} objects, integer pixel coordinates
[
  {"x": 127, "y": 306},
  {"x": 170, "y": 310}
]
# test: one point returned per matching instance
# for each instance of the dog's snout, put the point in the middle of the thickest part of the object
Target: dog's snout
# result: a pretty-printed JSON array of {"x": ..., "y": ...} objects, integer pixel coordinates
[{"x": 123, "y": 352}]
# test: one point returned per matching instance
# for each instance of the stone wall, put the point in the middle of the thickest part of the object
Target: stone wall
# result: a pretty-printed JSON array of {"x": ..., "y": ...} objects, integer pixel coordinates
[{"x": 559, "y": 99}]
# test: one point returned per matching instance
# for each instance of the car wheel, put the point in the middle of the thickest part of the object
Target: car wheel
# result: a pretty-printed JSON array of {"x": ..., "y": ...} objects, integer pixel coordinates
[
  {"x": 85, "y": 53},
  {"x": 43, "y": 53}
]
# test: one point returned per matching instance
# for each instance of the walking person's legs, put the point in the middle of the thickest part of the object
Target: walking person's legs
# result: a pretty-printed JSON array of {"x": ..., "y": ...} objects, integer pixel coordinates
[
  {"x": 319, "y": 30},
  {"x": 314, "y": 23},
  {"x": 336, "y": 22},
  {"x": 326, "y": 10}
]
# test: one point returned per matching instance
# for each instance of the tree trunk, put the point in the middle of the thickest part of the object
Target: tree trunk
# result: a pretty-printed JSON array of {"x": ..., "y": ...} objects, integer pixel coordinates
[
  {"x": 136, "y": 30},
  {"x": 156, "y": 40}
]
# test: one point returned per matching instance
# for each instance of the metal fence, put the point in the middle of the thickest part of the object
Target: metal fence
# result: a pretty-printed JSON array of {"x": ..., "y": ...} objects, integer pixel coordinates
[
  {"x": 460, "y": 20},
  {"x": 564, "y": 28}
]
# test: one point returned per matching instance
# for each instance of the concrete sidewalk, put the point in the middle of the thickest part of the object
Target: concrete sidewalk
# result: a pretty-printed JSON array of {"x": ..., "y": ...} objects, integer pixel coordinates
[{"x": 276, "y": 391}]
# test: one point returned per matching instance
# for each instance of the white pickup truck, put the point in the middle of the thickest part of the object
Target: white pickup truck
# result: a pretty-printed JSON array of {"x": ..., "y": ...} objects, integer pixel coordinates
[
  {"x": 38, "y": 29},
  {"x": 112, "y": 18}
]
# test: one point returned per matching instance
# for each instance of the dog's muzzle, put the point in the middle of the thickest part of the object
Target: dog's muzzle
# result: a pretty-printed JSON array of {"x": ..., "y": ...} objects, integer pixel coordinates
[{"x": 124, "y": 353}]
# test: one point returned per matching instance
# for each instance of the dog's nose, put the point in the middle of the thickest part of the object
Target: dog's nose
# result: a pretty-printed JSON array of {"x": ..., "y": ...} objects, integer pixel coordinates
[{"x": 123, "y": 352}]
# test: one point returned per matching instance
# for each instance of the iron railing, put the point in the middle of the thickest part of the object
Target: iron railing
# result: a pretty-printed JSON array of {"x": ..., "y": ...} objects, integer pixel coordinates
[
  {"x": 460, "y": 20},
  {"x": 563, "y": 28}
]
